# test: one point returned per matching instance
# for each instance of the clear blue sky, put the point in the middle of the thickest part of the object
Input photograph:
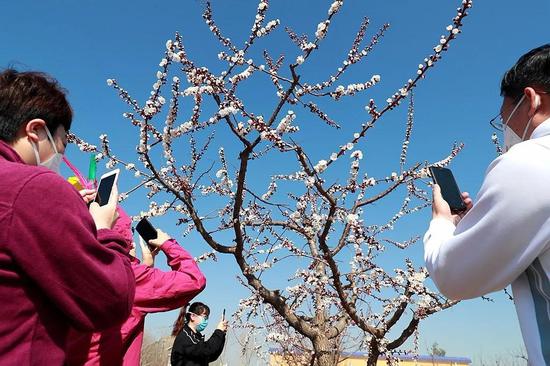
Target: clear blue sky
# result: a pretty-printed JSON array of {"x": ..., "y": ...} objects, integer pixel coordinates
[{"x": 84, "y": 43}]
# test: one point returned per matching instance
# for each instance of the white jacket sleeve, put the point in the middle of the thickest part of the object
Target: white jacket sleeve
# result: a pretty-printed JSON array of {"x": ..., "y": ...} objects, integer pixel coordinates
[{"x": 502, "y": 234}]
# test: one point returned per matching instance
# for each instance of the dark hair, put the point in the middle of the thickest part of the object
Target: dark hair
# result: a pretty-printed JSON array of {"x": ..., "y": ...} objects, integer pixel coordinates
[
  {"x": 531, "y": 69},
  {"x": 183, "y": 318},
  {"x": 28, "y": 95}
]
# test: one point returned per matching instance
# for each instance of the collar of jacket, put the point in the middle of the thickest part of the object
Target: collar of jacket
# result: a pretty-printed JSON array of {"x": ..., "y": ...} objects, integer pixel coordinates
[
  {"x": 542, "y": 130},
  {"x": 9, "y": 154},
  {"x": 196, "y": 335}
]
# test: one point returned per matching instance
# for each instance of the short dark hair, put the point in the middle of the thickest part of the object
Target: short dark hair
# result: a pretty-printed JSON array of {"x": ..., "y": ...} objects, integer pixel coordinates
[
  {"x": 28, "y": 95},
  {"x": 531, "y": 69}
]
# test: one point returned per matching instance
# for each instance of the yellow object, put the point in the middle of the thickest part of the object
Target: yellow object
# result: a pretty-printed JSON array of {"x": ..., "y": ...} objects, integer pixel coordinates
[
  {"x": 75, "y": 182},
  {"x": 276, "y": 358}
]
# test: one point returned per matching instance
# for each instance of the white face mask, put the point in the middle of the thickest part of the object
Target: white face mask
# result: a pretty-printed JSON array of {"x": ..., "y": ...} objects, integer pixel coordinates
[
  {"x": 510, "y": 137},
  {"x": 54, "y": 162}
]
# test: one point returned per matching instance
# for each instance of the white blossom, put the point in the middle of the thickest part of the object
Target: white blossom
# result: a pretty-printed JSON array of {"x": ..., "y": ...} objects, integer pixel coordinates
[
  {"x": 308, "y": 46},
  {"x": 335, "y": 6},
  {"x": 321, "y": 166},
  {"x": 352, "y": 218},
  {"x": 357, "y": 154},
  {"x": 322, "y": 29}
]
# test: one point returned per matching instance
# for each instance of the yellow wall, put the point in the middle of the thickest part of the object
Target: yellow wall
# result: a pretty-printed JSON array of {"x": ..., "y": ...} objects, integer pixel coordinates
[
  {"x": 277, "y": 360},
  {"x": 362, "y": 362}
]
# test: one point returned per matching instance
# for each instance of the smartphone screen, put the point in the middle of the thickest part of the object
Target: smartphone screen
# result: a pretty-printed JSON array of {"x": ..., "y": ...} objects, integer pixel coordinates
[
  {"x": 146, "y": 230},
  {"x": 104, "y": 189},
  {"x": 449, "y": 189}
]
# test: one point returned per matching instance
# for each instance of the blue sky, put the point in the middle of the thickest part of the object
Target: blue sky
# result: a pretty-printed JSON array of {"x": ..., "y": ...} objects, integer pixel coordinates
[{"x": 84, "y": 43}]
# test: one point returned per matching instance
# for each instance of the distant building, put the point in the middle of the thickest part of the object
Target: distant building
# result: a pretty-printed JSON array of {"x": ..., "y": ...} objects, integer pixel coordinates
[{"x": 276, "y": 358}]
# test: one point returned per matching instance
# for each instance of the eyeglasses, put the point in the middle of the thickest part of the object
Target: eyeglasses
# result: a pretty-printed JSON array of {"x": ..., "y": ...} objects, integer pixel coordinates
[
  {"x": 497, "y": 122},
  {"x": 204, "y": 316}
]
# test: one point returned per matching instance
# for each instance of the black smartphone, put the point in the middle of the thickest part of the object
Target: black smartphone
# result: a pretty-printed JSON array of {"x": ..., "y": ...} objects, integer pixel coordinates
[
  {"x": 223, "y": 314},
  {"x": 106, "y": 184},
  {"x": 449, "y": 189},
  {"x": 146, "y": 230}
]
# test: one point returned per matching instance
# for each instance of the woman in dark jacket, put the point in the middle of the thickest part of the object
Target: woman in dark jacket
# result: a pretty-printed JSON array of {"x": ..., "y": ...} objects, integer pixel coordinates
[{"x": 190, "y": 348}]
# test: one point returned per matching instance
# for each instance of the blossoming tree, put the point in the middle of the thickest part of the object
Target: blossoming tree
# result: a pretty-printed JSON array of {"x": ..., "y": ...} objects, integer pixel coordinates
[{"x": 338, "y": 295}]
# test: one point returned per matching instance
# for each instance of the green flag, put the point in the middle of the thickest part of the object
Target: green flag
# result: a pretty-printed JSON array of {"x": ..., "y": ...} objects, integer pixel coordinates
[{"x": 92, "y": 169}]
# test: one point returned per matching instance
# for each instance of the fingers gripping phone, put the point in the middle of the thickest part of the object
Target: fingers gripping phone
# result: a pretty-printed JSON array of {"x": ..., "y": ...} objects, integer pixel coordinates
[
  {"x": 106, "y": 184},
  {"x": 444, "y": 178},
  {"x": 146, "y": 231}
]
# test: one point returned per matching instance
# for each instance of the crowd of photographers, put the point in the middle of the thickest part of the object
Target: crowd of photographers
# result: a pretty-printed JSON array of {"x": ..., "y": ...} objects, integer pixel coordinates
[{"x": 74, "y": 292}]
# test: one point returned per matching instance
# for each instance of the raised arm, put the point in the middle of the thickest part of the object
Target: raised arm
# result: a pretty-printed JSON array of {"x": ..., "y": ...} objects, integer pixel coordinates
[
  {"x": 157, "y": 290},
  {"x": 500, "y": 236}
]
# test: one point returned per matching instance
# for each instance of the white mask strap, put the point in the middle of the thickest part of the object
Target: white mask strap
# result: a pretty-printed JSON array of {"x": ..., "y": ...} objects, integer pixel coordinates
[
  {"x": 51, "y": 138},
  {"x": 514, "y": 110},
  {"x": 35, "y": 151},
  {"x": 526, "y": 128},
  {"x": 530, "y": 120}
]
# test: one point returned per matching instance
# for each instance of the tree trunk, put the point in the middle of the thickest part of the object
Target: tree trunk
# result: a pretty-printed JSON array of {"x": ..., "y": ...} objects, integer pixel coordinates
[
  {"x": 326, "y": 351},
  {"x": 373, "y": 352}
]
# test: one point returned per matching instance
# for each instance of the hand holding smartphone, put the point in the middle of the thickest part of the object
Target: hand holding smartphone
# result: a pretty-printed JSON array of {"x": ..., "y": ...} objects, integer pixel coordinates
[
  {"x": 147, "y": 232},
  {"x": 223, "y": 323},
  {"x": 106, "y": 184},
  {"x": 103, "y": 209},
  {"x": 444, "y": 178}
]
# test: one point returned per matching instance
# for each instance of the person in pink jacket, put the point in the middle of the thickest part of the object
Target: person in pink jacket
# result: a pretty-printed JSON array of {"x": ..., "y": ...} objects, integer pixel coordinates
[{"x": 156, "y": 291}]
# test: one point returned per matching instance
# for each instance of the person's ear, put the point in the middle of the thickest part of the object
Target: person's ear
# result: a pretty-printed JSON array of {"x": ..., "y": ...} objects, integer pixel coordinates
[
  {"x": 33, "y": 127},
  {"x": 533, "y": 99}
]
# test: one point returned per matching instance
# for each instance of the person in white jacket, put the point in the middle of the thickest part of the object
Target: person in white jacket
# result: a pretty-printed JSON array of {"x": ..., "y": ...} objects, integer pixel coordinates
[{"x": 503, "y": 238}]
